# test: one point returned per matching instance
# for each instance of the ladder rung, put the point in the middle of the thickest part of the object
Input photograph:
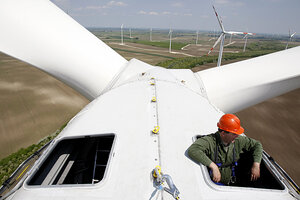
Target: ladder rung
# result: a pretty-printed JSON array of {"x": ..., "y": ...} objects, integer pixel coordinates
[
  {"x": 103, "y": 150},
  {"x": 98, "y": 165}
]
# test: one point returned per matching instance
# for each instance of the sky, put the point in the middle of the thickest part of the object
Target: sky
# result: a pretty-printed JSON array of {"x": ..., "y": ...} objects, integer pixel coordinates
[{"x": 256, "y": 16}]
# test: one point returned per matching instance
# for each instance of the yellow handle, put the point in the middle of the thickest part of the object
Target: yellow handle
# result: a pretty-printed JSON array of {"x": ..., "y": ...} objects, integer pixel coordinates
[
  {"x": 156, "y": 129},
  {"x": 158, "y": 170}
]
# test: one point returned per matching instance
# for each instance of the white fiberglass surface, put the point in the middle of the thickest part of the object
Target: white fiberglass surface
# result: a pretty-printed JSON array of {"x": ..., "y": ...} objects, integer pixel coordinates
[
  {"x": 41, "y": 34},
  {"x": 129, "y": 112},
  {"x": 236, "y": 86}
]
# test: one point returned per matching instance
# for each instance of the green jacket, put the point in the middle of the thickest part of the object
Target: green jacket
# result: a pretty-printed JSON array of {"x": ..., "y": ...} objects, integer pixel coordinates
[{"x": 203, "y": 151}]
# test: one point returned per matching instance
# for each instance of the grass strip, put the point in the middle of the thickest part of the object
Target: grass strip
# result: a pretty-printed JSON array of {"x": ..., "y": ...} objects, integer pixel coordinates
[
  {"x": 150, "y": 54},
  {"x": 190, "y": 62},
  {"x": 162, "y": 44},
  {"x": 10, "y": 163}
]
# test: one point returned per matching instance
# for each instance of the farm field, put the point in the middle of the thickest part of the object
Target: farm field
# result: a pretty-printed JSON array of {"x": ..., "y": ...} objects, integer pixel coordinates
[{"x": 33, "y": 105}]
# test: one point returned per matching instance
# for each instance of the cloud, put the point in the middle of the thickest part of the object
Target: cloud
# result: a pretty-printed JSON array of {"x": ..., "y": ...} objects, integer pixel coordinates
[
  {"x": 222, "y": 2},
  {"x": 142, "y": 12},
  {"x": 95, "y": 7},
  {"x": 178, "y": 4},
  {"x": 153, "y": 13},
  {"x": 166, "y": 13},
  {"x": 116, "y": 3},
  {"x": 101, "y": 7},
  {"x": 229, "y": 3}
]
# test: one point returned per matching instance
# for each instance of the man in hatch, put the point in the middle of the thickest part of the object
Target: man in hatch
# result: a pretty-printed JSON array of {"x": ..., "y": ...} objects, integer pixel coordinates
[{"x": 221, "y": 150}]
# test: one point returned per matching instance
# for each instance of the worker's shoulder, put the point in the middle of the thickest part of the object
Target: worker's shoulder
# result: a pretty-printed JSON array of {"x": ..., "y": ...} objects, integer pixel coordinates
[
  {"x": 208, "y": 138},
  {"x": 245, "y": 139},
  {"x": 242, "y": 138}
]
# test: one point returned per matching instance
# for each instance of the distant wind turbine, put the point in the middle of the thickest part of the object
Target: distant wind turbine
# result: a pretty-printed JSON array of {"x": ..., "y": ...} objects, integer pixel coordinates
[
  {"x": 122, "y": 34},
  {"x": 290, "y": 38},
  {"x": 170, "y": 46},
  {"x": 222, "y": 38},
  {"x": 230, "y": 38},
  {"x": 151, "y": 34},
  {"x": 246, "y": 38},
  {"x": 197, "y": 37},
  {"x": 130, "y": 33}
]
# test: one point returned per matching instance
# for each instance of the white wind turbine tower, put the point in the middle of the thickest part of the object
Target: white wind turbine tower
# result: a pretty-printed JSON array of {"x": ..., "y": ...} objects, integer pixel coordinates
[
  {"x": 230, "y": 38},
  {"x": 246, "y": 38},
  {"x": 222, "y": 38},
  {"x": 151, "y": 34},
  {"x": 290, "y": 38},
  {"x": 122, "y": 34},
  {"x": 197, "y": 37},
  {"x": 170, "y": 46},
  {"x": 130, "y": 33}
]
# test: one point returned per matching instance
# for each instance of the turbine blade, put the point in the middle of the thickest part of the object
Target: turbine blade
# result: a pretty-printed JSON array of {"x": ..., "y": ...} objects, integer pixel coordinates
[
  {"x": 239, "y": 33},
  {"x": 267, "y": 76},
  {"x": 216, "y": 43},
  {"x": 41, "y": 34},
  {"x": 219, "y": 20}
]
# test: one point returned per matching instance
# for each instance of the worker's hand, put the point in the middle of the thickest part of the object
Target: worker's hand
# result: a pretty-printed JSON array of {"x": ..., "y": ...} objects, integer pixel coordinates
[
  {"x": 255, "y": 171},
  {"x": 215, "y": 172}
]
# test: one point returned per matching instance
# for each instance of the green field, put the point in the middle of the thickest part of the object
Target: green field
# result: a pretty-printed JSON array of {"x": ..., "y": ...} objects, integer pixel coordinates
[
  {"x": 10, "y": 163},
  {"x": 162, "y": 44}
]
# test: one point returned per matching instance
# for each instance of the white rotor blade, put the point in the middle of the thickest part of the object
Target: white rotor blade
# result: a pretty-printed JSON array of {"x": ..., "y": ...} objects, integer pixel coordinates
[
  {"x": 216, "y": 43},
  {"x": 293, "y": 34},
  {"x": 39, "y": 33},
  {"x": 239, "y": 33},
  {"x": 221, "y": 50},
  {"x": 236, "y": 86},
  {"x": 219, "y": 20},
  {"x": 235, "y": 33}
]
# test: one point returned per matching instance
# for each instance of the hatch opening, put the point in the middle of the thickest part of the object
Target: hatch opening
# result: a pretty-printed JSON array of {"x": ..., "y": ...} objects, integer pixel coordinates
[{"x": 75, "y": 161}]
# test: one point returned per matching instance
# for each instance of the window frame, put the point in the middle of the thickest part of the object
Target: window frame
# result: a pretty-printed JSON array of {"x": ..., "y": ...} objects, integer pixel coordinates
[{"x": 52, "y": 147}]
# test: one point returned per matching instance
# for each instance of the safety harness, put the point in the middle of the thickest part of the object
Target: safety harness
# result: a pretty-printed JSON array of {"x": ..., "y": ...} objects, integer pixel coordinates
[
  {"x": 221, "y": 165},
  {"x": 159, "y": 182}
]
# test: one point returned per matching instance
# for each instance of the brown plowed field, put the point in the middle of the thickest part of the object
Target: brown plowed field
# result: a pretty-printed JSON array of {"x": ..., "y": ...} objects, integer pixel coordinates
[{"x": 33, "y": 105}]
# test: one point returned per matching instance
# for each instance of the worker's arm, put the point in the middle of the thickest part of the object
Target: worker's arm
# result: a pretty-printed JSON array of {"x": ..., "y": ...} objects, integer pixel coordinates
[
  {"x": 255, "y": 147},
  {"x": 199, "y": 150},
  {"x": 216, "y": 175},
  {"x": 255, "y": 171}
]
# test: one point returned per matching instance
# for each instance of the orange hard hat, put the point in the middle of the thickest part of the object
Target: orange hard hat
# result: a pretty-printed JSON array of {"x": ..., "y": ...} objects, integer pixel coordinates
[{"x": 230, "y": 123}]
